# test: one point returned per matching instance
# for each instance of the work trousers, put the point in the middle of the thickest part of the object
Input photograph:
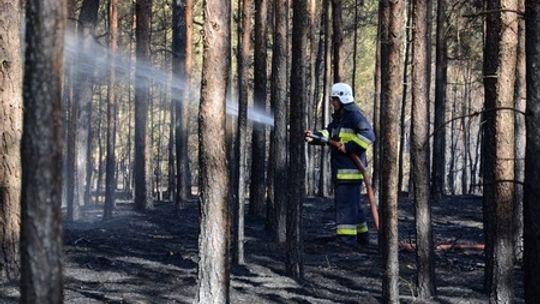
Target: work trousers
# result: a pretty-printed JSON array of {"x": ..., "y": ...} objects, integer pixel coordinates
[{"x": 350, "y": 217}]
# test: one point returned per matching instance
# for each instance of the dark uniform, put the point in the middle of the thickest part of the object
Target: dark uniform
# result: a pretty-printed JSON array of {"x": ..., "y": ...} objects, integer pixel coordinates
[{"x": 350, "y": 127}]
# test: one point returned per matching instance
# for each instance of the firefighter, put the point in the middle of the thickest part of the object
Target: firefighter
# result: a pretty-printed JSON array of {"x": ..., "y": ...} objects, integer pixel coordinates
[{"x": 354, "y": 134}]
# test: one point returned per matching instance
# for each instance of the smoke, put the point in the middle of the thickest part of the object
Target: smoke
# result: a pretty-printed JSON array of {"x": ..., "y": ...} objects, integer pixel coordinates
[{"x": 90, "y": 59}]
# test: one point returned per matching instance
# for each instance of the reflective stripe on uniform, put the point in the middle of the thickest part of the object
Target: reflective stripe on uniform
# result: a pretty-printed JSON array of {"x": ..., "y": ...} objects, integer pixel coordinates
[
  {"x": 325, "y": 134},
  {"x": 349, "y": 174},
  {"x": 346, "y": 230},
  {"x": 362, "y": 228},
  {"x": 346, "y": 135}
]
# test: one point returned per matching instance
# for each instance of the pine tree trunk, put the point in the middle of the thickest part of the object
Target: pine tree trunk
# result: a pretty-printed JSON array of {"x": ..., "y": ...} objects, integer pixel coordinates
[
  {"x": 143, "y": 160},
  {"x": 390, "y": 97},
  {"x": 337, "y": 40},
  {"x": 439, "y": 138},
  {"x": 296, "y": 188},
  {"x": 10, "y": 164},
  {"x": 420, "y": 151},
  {"x": 324, "y": 178},
  {"x": 257, "y": 185},
  {"x": 41, "y": 148},
  {"x": 244, "y": 60},
  {"x": 403, "y": 112},
  {"x": 110, "y": 177},
  {"x": 520, "y": 96},
  {"x": 502, "y": 164},
  {"x": 182, "y": 62},
  {"x": 215, "y": 234},
  {"x": 80, "y": 116},
  {"x": 279, "y": 106},
  {"x": 531, "y": 208}
]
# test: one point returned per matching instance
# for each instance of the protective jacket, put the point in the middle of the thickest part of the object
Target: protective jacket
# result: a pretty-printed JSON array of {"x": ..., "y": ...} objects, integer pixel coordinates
[{"x": 350, "y": 127}]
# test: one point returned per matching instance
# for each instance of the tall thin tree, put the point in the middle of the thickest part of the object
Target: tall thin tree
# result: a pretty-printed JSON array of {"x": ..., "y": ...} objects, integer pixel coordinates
[
  {"x": 182, "y": 63},
  {"x": 110, "y": 176},
  {"x": 10, "y": 164},
  {"x": 420, "y": 150},
  {"x": 76, "y": 170},
  {"x": 439, "y": 137},
  {"x": 391, "y": 31},
  {"x": 143, "y": 159},
  {"x": 337, "y": 40},
  {"x": 244, "y": 60},
  {"x": 279, "y": 106},
  {"x": 258, "y": 184},
  {"x": 41, "y": 148},
  {"x": 531, "y": 207},
  {"x": 295, "y": 248},
  {"x": 215, "y": 234}
]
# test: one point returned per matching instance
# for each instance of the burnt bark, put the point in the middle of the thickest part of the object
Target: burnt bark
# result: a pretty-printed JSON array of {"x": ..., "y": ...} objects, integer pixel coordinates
[
  {"x": 420, "y": 150},
  {"x": 439, "y": 137},
  {"x": 110, "y": 176},
  {"x": 214, "y": 237},
  {"x": 77, "y": 150},
  {"x": 337, "y": 40},
  {"x": 41, "y": 148},
  {"x": 182, "y": 64},
  {"x": 244, "y": 60},
  {"x": 11, "y": 66},
  {"x": 257, "y": 190},
  {"x": 295, "y": 249},
  {"x": 531, "y": 208},
  {"x": 391, "y": 30},
  {"x": 143, "y": 160},
  {"x": 279, "y": 107}
]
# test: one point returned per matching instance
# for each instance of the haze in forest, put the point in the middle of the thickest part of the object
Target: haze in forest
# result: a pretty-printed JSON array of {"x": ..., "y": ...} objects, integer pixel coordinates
[{"x": 94, "y": 60}]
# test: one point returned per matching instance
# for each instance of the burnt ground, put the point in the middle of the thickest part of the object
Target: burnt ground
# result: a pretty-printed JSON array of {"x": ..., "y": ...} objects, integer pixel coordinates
[{"x": 151, "y": 257}]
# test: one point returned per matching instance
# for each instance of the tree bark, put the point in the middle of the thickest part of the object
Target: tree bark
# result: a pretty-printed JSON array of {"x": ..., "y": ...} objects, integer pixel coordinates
[
  {"x": 439, "y": 138},
  {"x": 279, "y": 106},
  {"x": 41, "y": 148},
  {"x": 420, "y": 150},
  {"x": 502, "y": 164},
  {"x": 182, "y": 62},
  {"x": 295, "y": 260},
  {"x": 110, "y": 177},
  {"x": 244, "y": 60},
  {"x": 11, "y": 115},
  {"x": 390, "y": 97},
  {"x": 143, "y": 160},
  {"x": 80, "y": 116},
  {"x": 337, "y": 40},
  {"x": 324, "y": 177},
  {"x": 214, "y": 237},
  {"x": 257, "y": 190},
  {"x": 520, "y": 96},
  {"x": 531, "y": 208}
]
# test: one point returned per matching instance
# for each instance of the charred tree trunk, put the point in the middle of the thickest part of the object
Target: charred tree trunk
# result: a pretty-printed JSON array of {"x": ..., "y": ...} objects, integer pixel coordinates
[
  {"x": 182, "y": 63},
  {"x": 10, "y": 164},
  {"x": 520, "y": 97},
  {"x": 502, "y": 160},
  {"x": 244, "y": 60},
  {"x": 324, "y": 176},
  {"x": 295, "y": 248},
  {"x": 439, "y": 138},
  {"x": 337, "y": 40},
  {"x": 110, "y": 177},
  {"x": 258, "y": 184},
  {"x": 531, "y": 208},
  {"x": 383, "y": 16},
  {"x": 420, "y": 151},
  {"x": 402, "y": 126},
  {"x": 80, "y": 116},
  {"x": 143, "y": 160},
  {"x": 41, "y": 148},
  {"x": 391, "y": 30},
  {"x": 279, "y": 106},
  {"x": 215, "y": 234}
]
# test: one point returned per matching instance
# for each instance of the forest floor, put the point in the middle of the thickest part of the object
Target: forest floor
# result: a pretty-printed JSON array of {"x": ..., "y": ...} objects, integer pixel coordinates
[{"x": 151, "y": 257}]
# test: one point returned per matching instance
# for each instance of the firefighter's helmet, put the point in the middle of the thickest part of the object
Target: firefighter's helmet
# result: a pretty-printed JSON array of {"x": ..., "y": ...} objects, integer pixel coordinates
[{"x": 343, "y": 91}]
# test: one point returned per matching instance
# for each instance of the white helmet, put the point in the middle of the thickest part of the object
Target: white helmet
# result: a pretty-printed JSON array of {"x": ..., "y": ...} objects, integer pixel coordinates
[{"x": 343, "y": 91}]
